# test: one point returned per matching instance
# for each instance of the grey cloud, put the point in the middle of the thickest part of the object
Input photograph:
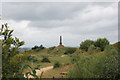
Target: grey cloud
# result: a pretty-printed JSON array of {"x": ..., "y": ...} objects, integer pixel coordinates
[
  {"x": 75, "y": 21},
  {"x": 43, "y": 11},
  {"x": 40, "y": 11},
  {"x": 46, "y": 24},
  {"x": 83, "y": 17}
]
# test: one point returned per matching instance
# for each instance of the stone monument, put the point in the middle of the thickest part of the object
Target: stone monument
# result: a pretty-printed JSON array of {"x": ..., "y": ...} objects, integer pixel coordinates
[{"x": 60, "y": 45}]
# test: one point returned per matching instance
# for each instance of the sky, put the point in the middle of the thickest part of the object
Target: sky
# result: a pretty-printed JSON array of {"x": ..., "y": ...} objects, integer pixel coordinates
[{"x": 39, "y": 23}]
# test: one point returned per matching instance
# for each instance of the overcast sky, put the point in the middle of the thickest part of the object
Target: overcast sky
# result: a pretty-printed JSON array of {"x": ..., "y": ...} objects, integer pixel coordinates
[{"x": 42, "y": 22}]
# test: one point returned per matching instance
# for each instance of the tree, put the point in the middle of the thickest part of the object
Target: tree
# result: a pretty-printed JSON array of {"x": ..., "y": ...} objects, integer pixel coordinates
[
  {"x": 42, "y": 47},
  {"x": 86, "y": 44},
  {"x": 10, "y": 47},
  {"x": 101, "y": 43},
  {"x": 37, "y": 48}
]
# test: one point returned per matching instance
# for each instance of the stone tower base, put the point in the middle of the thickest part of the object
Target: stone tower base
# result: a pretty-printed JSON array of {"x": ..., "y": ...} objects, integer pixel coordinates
[{"x": 60, "y": 46}]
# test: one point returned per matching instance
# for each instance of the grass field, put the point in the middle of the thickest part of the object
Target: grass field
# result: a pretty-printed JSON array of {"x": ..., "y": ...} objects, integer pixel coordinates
[
  {"x": 54, "y": 55},
  {"x": 87, "y": 61}
]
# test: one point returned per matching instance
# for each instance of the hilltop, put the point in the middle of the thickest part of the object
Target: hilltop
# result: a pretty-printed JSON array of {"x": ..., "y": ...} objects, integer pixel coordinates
[{"x": 117, "y": 44}]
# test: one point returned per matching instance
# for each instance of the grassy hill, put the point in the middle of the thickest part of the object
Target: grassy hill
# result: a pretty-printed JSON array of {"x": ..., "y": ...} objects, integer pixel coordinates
[
  {"x": 72, "y": 60},
  {"x": 54, "y": 54},
  {"x": 117, "y": 44}
]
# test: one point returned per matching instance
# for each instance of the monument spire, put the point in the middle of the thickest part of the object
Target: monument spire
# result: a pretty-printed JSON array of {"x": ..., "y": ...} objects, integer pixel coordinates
[
  {"x": 60, "y": 45},
  {"x": 60, "y": 40}
]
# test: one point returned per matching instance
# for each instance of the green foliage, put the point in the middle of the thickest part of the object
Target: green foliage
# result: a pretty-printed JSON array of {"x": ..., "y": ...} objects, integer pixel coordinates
[
  {"x": 98, "y": 49},
  {"x": 57, "y": 65},
  {"x": 32, "y": 72},
  {"x": 10, "y": 47},
  {"x": 32, "y": 58},
  {"x": 101, "y": 43},
  {"x": 70, "y": 50},
  {"x": 100, "y": 65},
  {"x": 111, "y": 64},
  {"x": 38, "y": 48},
  {"x": 86, "y": 44},
  {"x": 9, "y": 44},
  {"x": 45, "y": 60},
  {"x": 93, "y": 49},
  {"x": 11, "y": 70}
]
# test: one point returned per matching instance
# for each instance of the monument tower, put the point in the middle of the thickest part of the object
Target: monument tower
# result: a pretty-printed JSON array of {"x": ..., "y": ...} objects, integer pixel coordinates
[{"x": 60, "y": 45}]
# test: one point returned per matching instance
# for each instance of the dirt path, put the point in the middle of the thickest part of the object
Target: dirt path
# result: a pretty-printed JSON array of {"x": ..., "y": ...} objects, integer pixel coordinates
[
  {"x": 63, "y": 55},
  {"x": 38, "y": 72}
]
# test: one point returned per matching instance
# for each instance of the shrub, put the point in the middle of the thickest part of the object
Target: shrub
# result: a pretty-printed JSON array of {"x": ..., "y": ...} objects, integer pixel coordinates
[
  {"x": 93, "y": 49},
  {"x": 97, "y": 65},
  {"x": 110, "y": 49},
  {"x": 32, "y": 58},
  {"x": 70, "y": 51},
  {"x": 86, "y": 44},
  {"x": 45, "y": 60},
  {"x": 98, "y": 49},
  {"x": 57, "y": 64},
  {"x": 101, "y": 43}
]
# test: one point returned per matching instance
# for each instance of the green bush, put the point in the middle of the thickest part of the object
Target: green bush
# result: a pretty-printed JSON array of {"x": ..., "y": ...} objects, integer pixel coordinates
[
  {"x": 86, "y": 44},
  {"x": 57, "y": 64},
  {"x": 45, "y": 60},
  {"x": 93, "y": 49},
  {"x": 98, "y": 49},
  {"x": 70, "y": 50},
  {"x": 101, "y": 43},
  {"x": 100, "y": 65},
  {"x": 32, "y": 58}
]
